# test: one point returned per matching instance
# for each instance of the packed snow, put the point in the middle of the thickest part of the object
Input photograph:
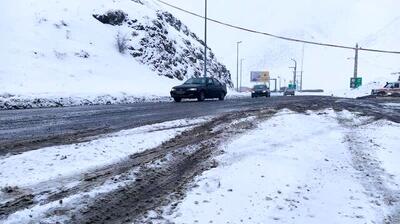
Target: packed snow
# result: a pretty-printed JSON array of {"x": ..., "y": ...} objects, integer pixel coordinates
[
  {"x": 277, "y": 175},
  {"x": 38, "y": 213},
  {"x": 33, "y": 167}
]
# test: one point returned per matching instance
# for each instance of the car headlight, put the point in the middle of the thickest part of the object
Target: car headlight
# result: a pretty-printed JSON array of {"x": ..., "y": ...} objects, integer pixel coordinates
[
  {"x": 253, "y": 91},
  {"x": 173, "y": 90},
  {"x": 192, "y": 89}
]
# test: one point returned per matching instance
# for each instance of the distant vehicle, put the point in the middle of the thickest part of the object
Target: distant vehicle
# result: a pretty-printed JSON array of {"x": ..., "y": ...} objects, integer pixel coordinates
[
  {"x": 390, "y": 89},
  {"x": 260, "y": 90},
  {"x": 289, "y": 92},
  {"x": 200, "y": 89}
]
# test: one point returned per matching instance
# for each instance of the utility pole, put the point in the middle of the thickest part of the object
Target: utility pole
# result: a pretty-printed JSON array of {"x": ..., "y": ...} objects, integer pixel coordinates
[
  {"x": 237, "y": 65},
  {"x": 205, "y": 40},
  {"x": 241, "y": 72},
  {"x": 356, "y": 62},
  {"x": 294, "y": 73}
]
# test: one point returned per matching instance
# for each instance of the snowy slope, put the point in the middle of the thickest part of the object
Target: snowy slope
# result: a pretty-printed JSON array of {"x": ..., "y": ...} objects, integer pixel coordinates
[{"x": 59, "y": 49}]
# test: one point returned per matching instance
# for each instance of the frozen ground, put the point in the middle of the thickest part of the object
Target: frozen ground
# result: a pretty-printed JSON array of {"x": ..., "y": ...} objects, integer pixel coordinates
[{"x": 335, "y": 168}]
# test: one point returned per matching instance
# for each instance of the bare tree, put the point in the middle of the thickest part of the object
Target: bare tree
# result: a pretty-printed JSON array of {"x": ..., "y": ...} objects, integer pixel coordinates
[{"x": 122, "y": 42}]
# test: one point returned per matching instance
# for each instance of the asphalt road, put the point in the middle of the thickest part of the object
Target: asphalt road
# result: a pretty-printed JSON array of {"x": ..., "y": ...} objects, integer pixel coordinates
[{"x": 23, "y": 130}]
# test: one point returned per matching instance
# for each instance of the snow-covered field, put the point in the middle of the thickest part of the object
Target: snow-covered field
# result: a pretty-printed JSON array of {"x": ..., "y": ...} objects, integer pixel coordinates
[{"x": 334, "y": 168}]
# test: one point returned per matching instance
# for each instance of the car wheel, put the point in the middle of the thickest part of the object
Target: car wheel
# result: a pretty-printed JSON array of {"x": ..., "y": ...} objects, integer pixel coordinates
[
  {"x": 201, "y": 97},
  {"x": 221, "y": 96},
  {"x": 177, "y": 99},
  {"x": 382, "y": 93}
]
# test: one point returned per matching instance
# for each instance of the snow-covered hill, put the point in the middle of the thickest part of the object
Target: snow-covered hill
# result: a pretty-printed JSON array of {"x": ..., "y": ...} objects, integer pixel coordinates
[{"x": 69, "y": 51}]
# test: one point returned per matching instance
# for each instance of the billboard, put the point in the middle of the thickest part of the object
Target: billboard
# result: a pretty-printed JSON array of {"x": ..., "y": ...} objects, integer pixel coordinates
[{"x": 259, "y": 76}]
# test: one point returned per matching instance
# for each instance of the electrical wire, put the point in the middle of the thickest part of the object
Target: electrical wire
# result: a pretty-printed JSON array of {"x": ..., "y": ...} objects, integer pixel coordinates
[{"x": 277, "y": 36}]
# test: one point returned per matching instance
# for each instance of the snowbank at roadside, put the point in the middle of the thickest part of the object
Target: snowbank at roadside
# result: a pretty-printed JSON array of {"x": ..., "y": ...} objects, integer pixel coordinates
[
  {"x": 363, "y": 90},
  {"x": 8, "y": 101}
]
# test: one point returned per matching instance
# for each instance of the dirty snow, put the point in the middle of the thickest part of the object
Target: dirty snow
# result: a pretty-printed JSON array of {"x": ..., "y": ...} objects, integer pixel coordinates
[
  {"x": 49, "y": 163},
  {"x": 385, "y": 136},
  {"x": 45, "y": 213},
  {"x": 277, "y": 175},
  {"x": 392, "y": 105}
]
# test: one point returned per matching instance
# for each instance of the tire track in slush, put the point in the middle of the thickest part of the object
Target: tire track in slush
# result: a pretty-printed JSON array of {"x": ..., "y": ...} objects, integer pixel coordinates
[{"x": 372, "y": 176}]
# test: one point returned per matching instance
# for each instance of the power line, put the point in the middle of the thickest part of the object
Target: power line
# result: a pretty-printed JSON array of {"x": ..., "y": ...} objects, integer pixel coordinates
[{"x": 277, "y": 36}]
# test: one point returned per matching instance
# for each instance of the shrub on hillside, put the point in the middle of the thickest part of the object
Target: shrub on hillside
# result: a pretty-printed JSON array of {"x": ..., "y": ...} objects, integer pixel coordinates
[{"x": 122, "y": 42}]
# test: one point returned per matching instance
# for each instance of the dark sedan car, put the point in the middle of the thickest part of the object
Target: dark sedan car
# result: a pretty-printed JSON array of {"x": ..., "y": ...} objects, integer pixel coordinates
[
  {"x": 200, "y": 89},
  {"x": 260, "y": 90},
  {"x": 289, "y": 92}
]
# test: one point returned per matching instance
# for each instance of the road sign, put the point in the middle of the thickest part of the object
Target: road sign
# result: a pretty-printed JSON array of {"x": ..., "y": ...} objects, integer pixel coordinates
[
  {"x": 259, "y": 76},
  {"x": 355, "y": 82}
]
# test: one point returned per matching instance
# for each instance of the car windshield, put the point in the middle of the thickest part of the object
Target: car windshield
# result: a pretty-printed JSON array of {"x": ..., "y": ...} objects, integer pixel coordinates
[
  {"x": 260, "y": 87},
  {"x": 389, "y": 85},
  {"x": 196, "y": 81}
]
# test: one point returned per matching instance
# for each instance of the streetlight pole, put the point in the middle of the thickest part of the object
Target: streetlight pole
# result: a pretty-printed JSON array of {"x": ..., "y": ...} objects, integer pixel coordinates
[
  {"x": 237, "y": 65},
  {"x": 294, "y": 73},
  {"x": 205, "y": 40},
  {"x": 280, "y": 86},
  {"x": 241, "y": 72},
  {"x": 302, "y": 67}
]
